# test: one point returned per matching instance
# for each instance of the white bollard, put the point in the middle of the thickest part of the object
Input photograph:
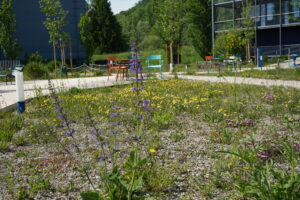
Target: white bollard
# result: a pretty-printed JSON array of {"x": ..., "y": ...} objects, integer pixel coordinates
[
  {"x": 20, "y": 92},
  {"x": 171, "y": 68}
]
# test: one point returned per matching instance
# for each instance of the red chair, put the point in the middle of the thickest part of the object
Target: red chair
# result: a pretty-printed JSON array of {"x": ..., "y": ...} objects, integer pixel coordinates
[
  {"x": 119, "y": 65},
  {"x": 209, "y": 61}
]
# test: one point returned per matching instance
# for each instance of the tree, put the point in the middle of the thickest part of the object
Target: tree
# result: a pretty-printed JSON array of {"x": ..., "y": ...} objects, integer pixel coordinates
[
  {"x": 169, "y": 23},
  {"x": 295, "y": 5},
  {"x": 100, "y": 29},
  {"x": 8, "y": 44},
  {"x": 247, "y": 27},
  {"x": 87, "y": 39},
  {"x": 229, "y": 43},
  {"x": 199, "y": 18},
  {"x": 55, "y": 23}
]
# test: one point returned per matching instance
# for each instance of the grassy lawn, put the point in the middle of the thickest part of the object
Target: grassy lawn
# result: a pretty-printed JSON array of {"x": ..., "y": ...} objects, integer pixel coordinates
[
  {"x": 284, "y": 74},
  {"x": 189, "y": 55},
  {"x": 195, "y": 140}
]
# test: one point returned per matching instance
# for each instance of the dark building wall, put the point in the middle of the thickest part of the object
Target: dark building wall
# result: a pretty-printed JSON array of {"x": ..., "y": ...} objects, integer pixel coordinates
[
  {"x": 268, "y": 37},
  {"x": 291, "y": 35},
  {"x": 32, "y": 34}
]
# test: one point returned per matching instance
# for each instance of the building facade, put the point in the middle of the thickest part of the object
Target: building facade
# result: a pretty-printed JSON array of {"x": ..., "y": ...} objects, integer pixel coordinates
[
  {"x": 32, "y": 34},
  {"x": 277, "y": 23}
]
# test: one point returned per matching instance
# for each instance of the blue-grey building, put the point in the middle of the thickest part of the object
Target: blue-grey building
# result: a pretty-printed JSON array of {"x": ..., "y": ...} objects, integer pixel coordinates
[
  {"x": 277, "y": 23},
  {"x": 32, "y": 34}
]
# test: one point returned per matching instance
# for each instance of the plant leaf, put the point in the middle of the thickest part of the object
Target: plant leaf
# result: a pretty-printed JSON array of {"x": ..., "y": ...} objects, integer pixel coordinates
[{"x": 90, "y": 196}]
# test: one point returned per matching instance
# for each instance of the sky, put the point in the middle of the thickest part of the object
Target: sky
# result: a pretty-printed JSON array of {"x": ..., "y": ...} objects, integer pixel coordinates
[{"x": 121, "y": 5}]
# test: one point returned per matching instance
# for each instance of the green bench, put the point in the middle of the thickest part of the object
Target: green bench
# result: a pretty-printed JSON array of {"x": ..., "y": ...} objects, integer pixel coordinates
[
  {"x": 6, "y": 68},
  {"x": 11, "y": 74}
]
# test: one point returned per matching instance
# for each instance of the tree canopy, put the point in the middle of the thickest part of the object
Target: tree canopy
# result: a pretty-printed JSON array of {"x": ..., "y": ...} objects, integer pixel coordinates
[
  {"x": 100, "y": 30},
  {"x": 199, "y": 25},
  {"x": 55, "y": 20},
  {"x": 186, "y": 21},
  {"x": 8, "y": 44}
]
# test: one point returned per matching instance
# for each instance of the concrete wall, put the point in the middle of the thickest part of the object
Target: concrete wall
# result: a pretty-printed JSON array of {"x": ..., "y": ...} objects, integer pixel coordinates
[{"x": 32, "y": 34}]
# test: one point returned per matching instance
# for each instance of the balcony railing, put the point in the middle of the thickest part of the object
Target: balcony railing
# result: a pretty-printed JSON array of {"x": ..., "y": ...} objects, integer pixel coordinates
[
  {"x": 275, "y": 50},
  {"x": 222, "y": 1},
  {"x": 261, "y": 21}
]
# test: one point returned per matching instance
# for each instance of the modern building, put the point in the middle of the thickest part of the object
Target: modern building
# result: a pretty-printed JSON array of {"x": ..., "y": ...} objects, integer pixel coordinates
[
  {"x": 32, "y": 34},
  {"x": 277, "y": 23}
]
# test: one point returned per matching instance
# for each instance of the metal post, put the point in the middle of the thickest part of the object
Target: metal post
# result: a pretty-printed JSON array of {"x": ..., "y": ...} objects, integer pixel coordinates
[
  {"x": 213, "y": 28},
  {"x": 259, "y": 58},
  {"x": 255, "y": 19},
  {"x": 280, "y": 28},
  {"x": 233, "y": 15}
]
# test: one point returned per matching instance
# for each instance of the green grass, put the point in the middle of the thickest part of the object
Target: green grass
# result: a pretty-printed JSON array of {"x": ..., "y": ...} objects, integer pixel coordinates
[
  {"x": 189, "y": 55},
  {"x": 282, "y": 74}
]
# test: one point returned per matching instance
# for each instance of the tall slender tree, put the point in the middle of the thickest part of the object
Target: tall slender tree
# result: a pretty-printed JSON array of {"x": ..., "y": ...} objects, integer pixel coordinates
[
  {"x": 55, "y": 23},
  {"x": 8, "y": 44},
  {"x": 87, "y": 39},
  {"x": 169, "y": 24},
  {"x": 248, "y": 27}
]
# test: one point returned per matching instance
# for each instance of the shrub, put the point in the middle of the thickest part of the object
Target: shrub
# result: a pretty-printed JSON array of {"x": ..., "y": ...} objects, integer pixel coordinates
[
  {"x": 35, "y": 57},
  {"x": 51, "y": 65},
  {"x": 35, "y": 70},
  {"x": 229, "y": 43}
]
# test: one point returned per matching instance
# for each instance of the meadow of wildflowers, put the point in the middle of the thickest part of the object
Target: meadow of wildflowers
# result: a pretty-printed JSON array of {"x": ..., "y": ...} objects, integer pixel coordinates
[{"x": 172, "y": 139}]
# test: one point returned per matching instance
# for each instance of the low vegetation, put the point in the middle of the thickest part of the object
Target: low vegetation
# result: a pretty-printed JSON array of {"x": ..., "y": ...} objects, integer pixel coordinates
[{"x": 195, "y": 140}]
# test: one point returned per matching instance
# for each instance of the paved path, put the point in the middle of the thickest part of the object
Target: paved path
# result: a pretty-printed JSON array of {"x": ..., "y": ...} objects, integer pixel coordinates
[{"x": 8, "y": 92}]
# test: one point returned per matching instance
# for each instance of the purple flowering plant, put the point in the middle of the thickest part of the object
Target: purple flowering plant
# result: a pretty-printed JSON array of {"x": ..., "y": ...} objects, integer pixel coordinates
[
  {"x": 73, "y": 150},
  {"x": 122, "y": 179}
]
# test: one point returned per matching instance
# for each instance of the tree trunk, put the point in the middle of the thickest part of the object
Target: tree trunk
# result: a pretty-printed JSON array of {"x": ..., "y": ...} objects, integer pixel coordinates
[
  {"x": 61, "y": 53},
  {"x": 249, "y": 51},
  {"x": 171, "y": 53},
  {"x": 54, "y": 55},
  {"x": 171, "y": 57},
  {"x": 167, "y": 57},
  {"x": 64, "y": 53},
  {"x": 178, "y": 54},
  {"x": 71, "y": 55}
]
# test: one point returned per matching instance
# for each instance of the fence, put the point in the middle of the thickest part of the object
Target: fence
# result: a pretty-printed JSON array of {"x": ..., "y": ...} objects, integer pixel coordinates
[
  {"x": 275, "y": 50},
  {"x": 8, "y": 65}
]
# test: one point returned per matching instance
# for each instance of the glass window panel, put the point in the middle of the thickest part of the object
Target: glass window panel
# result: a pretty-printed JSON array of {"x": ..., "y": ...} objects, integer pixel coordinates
[
  {"x": 270, "y": 11},
  {"x": 263, "y": 13},
  {"x": 223, "y": 13}
]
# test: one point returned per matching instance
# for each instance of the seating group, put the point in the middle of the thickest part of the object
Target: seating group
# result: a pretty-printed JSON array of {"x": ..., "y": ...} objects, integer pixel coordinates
[
  {"x": 122, "y": 66},
  {"x": 211, "y": 61}
]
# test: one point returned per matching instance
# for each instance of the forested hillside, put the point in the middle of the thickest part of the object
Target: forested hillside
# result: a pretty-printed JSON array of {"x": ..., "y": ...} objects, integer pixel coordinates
[
  {"x": 137, "y": 23},
  {"x": 155, "y": 24}
]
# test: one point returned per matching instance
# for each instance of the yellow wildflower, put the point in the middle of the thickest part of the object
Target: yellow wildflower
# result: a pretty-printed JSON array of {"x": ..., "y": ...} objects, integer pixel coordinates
[{"x": 152, "y": 150}]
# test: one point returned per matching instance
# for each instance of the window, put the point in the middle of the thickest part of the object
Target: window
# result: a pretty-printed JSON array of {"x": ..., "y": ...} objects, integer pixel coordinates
[{"x": 270, "y": 11}]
